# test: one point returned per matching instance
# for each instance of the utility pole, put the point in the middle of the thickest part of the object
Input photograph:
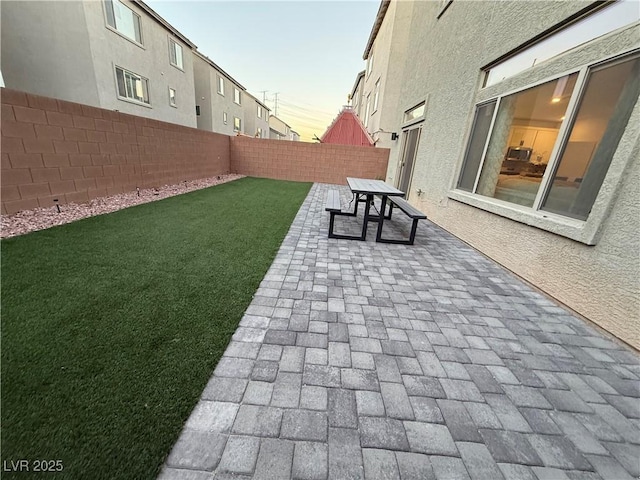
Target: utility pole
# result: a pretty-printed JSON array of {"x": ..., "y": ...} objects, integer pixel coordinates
[
  {"x": 275, "y": 108},
  {"x": 264, "y": 96}
]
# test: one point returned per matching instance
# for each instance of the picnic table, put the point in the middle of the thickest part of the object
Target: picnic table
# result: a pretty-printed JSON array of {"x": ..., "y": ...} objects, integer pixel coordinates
[{"x": 364, "y": 190}]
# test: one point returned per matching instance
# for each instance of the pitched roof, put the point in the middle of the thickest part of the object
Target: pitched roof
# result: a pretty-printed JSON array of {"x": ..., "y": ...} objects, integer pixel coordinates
[
  {"x": 359, "y": 78},
  {"x": 347, "y": 129},
  {"x": 164, "y": 23}
]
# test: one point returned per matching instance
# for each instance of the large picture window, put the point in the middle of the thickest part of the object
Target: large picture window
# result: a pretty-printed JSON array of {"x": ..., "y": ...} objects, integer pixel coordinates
[
  {"x": 605, "y": 107},
  {"x": 132, "y": 86},
  {"x": 123, "y": 19},
  {"x": 548, "y": 147},
  {"x": 524, "y": 132}
]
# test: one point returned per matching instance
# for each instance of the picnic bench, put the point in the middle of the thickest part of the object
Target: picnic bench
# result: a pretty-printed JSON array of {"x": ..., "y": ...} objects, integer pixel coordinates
[{"x": 363, "y": 191}]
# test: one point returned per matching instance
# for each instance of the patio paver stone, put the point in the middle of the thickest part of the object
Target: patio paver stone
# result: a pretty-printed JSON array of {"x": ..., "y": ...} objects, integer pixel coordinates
[{"x": 359, "y": 360}]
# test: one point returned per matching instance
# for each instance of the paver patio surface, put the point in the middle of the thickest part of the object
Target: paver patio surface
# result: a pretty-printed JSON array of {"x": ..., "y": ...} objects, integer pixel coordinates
[{"x": 359, "y": 360}]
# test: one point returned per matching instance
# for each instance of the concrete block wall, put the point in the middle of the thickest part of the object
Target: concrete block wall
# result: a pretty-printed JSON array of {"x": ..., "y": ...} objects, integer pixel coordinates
[
  {"x": 54, "y": 149},
  {"x": 306, "y": 162}
]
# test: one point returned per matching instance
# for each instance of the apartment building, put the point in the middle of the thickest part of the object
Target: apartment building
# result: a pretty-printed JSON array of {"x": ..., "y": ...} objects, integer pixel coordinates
[
  {"x": 219, "y": 97},
  {"x": 256, "y": 116},
  {"x": 519, "y": 129},
  {"x": 115, "y": 54},
  {"x": 278, "y": 130},
  {"x": 378, "y": 89}
]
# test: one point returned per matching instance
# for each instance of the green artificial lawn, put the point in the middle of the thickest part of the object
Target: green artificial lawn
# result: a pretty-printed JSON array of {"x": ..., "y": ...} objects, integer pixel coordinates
[{"x": 112, "y": 325}]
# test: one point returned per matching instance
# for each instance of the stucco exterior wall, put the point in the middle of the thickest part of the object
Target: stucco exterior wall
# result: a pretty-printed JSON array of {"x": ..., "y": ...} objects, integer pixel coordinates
[
  {"x": 109, "y": 49},
  {"x": 251, "y": 120},
  {"x": 65, "y": 50},
  {"x": 213, "y": 104},
  {"x": 203, "y": 92},
  {"x": 38, "y": 58},
  {"x": 389, "y": 50},
  {"x": 443, "y": 65}
]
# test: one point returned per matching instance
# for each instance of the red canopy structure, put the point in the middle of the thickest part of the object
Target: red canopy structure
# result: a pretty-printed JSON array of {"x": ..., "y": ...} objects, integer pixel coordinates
[{"x": 347, "y": 129}]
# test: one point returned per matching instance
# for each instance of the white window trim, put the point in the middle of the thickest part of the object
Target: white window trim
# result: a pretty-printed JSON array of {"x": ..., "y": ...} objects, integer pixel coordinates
[
  {"x": 259, "y": 111},
  {"x": 175, "y": 95},
  {"x": 583, "y": 231},
  {"x": 376, "y": 96},
  {"x": 421, "y": 118},
  {"x": 239, "y": 129},
  {"x": 127, "y": 99},
  {"x": 171, "y": 43},
  {"x": 235, "y": 89},
  {"x": 370, "y": 64},
  {"x": 367, "y": 114},
  {"x": 116, "y": 31},
  {"x": 619, "y": 9},
  {"x": 225, "y": 118},
  {"x": 220, "y": 78}
]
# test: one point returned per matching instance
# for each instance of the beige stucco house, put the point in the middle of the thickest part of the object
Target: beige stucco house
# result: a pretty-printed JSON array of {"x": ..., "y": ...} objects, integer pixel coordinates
[
  {"x": 519, "y": 132},
  {"x": 219, "y": 97},
  {"x": 117, "y": 54}
]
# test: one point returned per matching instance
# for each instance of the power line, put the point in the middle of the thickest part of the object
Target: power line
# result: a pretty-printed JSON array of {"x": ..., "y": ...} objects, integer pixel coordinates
[
  {"x": 304, "y": 116},
  {"x": 315, "y": 110}
]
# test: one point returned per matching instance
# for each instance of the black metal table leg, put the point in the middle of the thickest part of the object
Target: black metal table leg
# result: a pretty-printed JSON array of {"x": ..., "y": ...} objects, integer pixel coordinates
[
  {"x": 381, "y": 217},
  {"x": 365, "y": 220}
]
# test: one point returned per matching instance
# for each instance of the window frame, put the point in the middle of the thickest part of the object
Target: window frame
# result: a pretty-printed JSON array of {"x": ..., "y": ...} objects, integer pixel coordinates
[
  {"x": 225, "y": 118},
  {"x": 239, "y": 129},
  {"x": 376, "y": 96},
  {"x": 584, "y": 231},
  {"x": 259, "y": 112},
  {"x": 127, "y": 99},
  {"x": 366, "y": 111},
  {"x": 175, "y": 102},
  {"x": 237, "y": 90},
  {"x": 370, "y": 65},
  {"x": 115, "y": 30},
  {"x": 220, "y": 87},
  {"x": 173, "y": 43}
]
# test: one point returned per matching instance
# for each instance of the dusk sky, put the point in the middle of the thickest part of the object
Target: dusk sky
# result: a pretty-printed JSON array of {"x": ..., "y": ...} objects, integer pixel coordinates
[{"x": 308, "y": 51}]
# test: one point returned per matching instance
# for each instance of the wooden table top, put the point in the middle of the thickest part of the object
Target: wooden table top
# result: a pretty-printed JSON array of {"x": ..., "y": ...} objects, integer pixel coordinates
[{"x": 375, "y": 187}]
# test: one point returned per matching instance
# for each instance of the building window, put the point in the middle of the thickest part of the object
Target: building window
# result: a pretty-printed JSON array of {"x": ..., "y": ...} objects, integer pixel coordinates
[
  {"x": 224, "y": 117},
  {"x": 197, "y": 110},
  {"x": 237, "y": 124},
  {"x": 123, "y": 19},
  {"x": 175, "y": 54},
  {"x": 366, "y": 111},
  {"x": 259, "y": 111},
  {"x": 549, "y": 147},
  {"x": 611, "y": 17},
  {"x": 604, "y": 109},
  {"x": 172, "y": 97},
  {"x": 221, "y": 85},
  {"x": 259, "y": 133},
  {"x": 414, "y": 113},
  {"x": 237, "y": 97},
  {"x": 132, "y": 86},
  {"x": 370, "y": 65},
  {"x": 376, "y": 95}
]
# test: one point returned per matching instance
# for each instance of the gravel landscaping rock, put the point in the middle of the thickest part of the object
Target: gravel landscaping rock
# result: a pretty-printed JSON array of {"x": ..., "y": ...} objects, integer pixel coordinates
[{"x": 41, "y": 218}]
